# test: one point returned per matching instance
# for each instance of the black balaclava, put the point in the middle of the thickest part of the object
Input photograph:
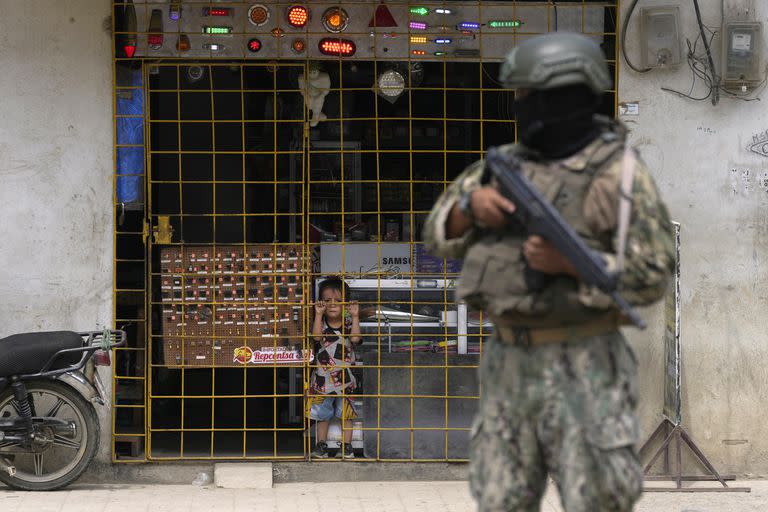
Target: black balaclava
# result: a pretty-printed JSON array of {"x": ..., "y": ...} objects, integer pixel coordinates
[{"x": 557, "y": 122}]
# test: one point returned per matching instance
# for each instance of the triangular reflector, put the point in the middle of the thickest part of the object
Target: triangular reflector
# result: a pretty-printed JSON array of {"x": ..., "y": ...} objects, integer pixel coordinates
[
  {"x": 382, "y": 17},
  {"x": 129, "y": 50}
]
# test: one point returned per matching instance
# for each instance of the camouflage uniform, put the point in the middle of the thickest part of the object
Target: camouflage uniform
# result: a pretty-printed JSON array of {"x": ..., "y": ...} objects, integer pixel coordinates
[{"x": 565, "y": 409}]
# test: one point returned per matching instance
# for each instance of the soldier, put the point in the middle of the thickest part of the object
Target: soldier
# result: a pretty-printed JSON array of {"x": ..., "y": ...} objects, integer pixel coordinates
[{"x": 558, "y": 380}]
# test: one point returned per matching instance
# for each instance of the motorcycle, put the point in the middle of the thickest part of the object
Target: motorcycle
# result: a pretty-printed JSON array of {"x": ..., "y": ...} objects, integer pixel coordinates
[{"x": 49, "y": 429}]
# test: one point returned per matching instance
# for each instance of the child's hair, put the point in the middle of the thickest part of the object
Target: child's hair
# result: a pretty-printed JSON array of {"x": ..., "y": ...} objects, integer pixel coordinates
[{"x": 334, "y": 283}]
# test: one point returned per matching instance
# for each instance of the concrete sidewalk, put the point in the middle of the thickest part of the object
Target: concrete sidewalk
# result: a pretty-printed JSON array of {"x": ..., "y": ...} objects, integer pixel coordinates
[{"x": 333, "y": 497}]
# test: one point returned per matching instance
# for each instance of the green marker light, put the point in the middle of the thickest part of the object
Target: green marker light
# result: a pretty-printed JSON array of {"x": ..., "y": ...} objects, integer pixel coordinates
[
  {"x": 420, "y": 11},
  {"x": 505, "y": 23},
  {"x": 438, "y": 54},
  {"x": 214, "y": 30}
]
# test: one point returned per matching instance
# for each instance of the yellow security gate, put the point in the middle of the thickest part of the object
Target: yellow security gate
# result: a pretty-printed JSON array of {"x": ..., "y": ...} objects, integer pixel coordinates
[
  {"x": 227, "y": 264},
  {"x": 245, "y": 179}
]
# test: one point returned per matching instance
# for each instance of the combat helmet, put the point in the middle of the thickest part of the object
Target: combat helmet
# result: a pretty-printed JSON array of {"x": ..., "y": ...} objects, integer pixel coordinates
[{"x": 556, "y": 60}]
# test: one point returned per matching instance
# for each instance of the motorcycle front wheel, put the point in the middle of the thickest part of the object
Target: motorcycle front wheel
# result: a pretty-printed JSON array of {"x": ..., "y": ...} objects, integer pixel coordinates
[{"x": 53, "y": 460}]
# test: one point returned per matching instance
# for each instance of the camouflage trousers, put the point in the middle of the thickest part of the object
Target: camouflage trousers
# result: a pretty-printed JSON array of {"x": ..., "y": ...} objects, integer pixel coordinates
[{"x": 565, "y": 410}]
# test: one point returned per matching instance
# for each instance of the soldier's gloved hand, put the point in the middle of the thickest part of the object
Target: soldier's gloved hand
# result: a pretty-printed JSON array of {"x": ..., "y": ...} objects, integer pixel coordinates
[
  {"x": 543, "y": 257},
  {"x": 490, "y": 208}
]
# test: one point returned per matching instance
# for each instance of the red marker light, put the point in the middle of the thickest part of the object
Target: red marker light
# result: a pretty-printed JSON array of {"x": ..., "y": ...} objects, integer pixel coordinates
[
  {"x": 155, "y": 41},
  {"x": 339, "y": 47},
  {"x": 129, "y": 40},
  {"x": 254, "y": 45},
  {"x": 155, "y": 29},
  {"x": 101, "y": 358},
  {"x": 217, "y": 11},
  {"x": 298, "y": 15}
]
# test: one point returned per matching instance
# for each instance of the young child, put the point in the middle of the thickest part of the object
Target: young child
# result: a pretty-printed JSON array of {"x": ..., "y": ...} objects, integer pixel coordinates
[{"x": 335, "y": 330}]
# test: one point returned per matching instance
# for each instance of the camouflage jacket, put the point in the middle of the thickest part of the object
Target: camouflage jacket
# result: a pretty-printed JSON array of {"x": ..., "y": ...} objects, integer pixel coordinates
[{"x": 649, "y": 257}]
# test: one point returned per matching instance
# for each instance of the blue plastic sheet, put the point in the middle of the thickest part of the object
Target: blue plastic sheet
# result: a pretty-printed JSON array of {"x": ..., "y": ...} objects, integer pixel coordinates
[{"x": 130, "y": 130}]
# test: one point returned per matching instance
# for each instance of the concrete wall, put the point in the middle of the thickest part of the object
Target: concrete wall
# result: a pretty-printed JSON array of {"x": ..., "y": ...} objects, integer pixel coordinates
[
  {"x": 55, "y": 166},
  {"x": 718, "y": 190}
]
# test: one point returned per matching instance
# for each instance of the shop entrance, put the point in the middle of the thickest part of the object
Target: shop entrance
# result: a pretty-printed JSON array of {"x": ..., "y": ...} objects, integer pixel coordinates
[
  {"x": 228, "y": 264},
  {"x": 234, "y": 201}
]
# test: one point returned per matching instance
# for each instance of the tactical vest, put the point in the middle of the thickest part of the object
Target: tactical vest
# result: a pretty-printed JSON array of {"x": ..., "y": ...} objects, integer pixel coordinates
[{"x": 492, "y": 278}]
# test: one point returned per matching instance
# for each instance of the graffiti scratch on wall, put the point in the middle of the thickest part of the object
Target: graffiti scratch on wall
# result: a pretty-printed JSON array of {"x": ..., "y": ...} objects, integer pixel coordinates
[
  {"x": 759, "y": 144},
  {"x": 741, "y": 181},
  {"x": 762, "y": 181}
]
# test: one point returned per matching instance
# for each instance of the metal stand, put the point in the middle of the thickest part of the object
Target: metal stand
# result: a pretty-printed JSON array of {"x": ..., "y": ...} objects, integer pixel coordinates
[{"x": 672, "y": 432}]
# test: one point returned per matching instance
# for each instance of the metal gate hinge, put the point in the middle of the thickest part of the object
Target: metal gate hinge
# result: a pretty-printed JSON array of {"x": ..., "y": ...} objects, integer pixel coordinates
[{"x": 161, "y": 234}]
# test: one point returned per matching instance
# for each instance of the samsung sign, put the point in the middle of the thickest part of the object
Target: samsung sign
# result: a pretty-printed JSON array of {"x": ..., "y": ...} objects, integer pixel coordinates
[{"x": 387, "y": 258}]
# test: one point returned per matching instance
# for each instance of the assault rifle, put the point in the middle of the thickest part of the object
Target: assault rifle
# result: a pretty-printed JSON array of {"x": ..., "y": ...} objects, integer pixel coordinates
[{"x": 536, "y": 216}]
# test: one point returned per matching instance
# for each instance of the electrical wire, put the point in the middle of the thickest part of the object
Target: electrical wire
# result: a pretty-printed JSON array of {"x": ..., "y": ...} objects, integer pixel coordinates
[
  {"x": 624, "y": 40},
  {"x": 715, "y": 78},
  {"x": 702, "y": 69},
  {"x": 695, "y": 63}
]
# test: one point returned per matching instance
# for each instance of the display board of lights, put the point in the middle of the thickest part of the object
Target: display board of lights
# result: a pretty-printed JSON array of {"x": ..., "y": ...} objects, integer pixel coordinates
[{"x": 364, "y": 29}]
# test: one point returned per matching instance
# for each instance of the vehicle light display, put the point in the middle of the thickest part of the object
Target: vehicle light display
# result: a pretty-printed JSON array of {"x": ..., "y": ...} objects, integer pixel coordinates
[
  {"x": 217, "y": 30},
  {"x": 417, "y": 25},
  {"x": 337, "y": 47},
  {"x": 258, "y": 15},
  {"x": 254, "y": 45},
  {"x": 335, "y": 19},
  {"x": 298, "y": 16},
  {"x": 218, "y": 11}
]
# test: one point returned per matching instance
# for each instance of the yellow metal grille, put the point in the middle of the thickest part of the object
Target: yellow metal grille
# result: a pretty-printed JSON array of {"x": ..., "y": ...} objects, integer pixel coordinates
[{"x": 262, "y": 178}]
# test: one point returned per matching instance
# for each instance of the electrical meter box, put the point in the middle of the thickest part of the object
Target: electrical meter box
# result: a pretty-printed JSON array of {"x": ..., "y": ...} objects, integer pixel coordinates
[
  {"x": 742, "y": 54},
  {"x": 660, "y": 29}
]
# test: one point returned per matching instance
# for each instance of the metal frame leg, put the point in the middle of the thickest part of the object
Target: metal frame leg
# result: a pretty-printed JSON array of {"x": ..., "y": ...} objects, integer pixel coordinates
[{"x": 680, "y": 436}]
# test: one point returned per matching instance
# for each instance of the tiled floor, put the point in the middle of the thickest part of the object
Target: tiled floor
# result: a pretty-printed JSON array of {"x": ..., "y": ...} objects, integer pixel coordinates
[{"x": 334, "y": 497}]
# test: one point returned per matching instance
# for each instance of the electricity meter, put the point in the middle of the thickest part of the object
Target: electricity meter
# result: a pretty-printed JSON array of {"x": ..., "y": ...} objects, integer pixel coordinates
[
  {"x": 742, "y": 54},
  {"x": 660, "y": 29}
]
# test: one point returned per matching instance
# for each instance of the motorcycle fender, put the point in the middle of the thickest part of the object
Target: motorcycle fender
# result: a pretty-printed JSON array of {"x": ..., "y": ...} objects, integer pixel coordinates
[{"x": 82, "y": 385}]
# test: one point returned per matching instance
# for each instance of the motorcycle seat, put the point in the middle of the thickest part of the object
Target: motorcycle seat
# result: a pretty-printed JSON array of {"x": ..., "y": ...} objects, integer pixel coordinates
[{"x": 22, "y": 354}]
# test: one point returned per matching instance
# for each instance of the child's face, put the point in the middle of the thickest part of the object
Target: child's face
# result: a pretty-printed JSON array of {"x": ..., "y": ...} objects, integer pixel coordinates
[{"x": 332, "y": 300}]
